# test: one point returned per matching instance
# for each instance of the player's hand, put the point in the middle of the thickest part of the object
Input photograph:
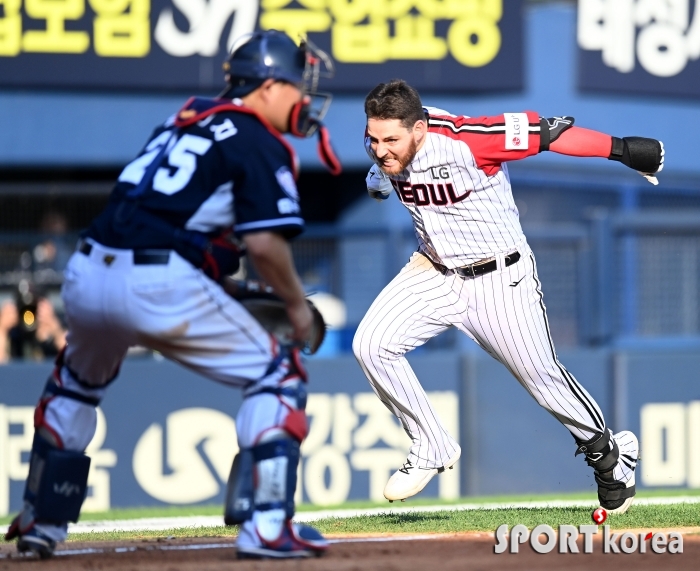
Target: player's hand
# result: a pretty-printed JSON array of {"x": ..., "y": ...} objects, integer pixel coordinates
[
  {"x": 651, "y": 177},
  {"x": 301, "y": 319},
  {"x": 378, "y": 184},
  {"x": 9, "y": 316},
  {"x": 48, "y": 327}
]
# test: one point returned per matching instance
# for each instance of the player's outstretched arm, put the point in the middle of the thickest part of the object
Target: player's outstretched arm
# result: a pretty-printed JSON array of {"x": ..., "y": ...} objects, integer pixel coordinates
[{"x": 639, "y": 153}]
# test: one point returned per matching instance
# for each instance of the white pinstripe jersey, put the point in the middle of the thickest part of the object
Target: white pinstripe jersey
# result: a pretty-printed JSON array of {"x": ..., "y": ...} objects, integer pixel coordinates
[{"x": 457, "y": 188}]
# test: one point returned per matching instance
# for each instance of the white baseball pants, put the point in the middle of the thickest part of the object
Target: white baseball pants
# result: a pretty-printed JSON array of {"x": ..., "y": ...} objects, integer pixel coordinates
[
  {"x": 112, "y": 304},
  {"x": 502, "y": 311}
]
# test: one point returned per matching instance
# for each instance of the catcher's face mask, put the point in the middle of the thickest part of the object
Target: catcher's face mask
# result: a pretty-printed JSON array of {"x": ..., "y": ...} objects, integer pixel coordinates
[
  {"x": 308, "y": 113},
  {"x": 305, "y": 118}
]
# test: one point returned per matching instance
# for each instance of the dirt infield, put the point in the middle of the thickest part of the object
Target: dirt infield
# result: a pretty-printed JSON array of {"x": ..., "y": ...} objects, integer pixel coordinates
[{"x": 457, "y": 552}]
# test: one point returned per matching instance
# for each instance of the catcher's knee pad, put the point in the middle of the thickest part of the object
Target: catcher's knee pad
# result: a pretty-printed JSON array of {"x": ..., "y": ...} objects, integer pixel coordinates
[
  {"x": 66, "y": 417},
  {"x": 601, "y": 451},
  {"x": 289, "y": 386},
  {"x": 263, "y": 478},
  {"x": 57, "y": 482},
  {"x": 292, "y": 393}
]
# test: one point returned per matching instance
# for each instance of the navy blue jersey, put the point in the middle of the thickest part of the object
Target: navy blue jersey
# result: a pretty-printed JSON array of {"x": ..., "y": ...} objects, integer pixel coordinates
[{"x": 215, "y": 166}]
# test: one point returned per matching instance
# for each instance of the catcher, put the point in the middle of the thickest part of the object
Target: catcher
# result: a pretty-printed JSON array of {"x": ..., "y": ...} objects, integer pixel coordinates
[{"x": 216, "y": 178}]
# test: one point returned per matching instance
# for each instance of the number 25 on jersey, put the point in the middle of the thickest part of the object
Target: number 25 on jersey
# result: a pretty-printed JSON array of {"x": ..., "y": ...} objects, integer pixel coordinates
[{"x": 180, "y": 154}]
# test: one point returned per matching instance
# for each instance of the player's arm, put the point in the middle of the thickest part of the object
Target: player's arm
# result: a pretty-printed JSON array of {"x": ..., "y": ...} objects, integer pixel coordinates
[
  {"x": 514, "y": 136},
  {"x": 272, "y": 257},
  {"x": 639, "y": 153},
  {"x": 267, "y": 214},
  {"x": 492, "y": 140}
]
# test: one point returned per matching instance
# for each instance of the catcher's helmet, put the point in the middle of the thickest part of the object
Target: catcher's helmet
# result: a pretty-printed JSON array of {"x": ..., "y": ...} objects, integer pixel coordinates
[{"x": 271, "y": 54}]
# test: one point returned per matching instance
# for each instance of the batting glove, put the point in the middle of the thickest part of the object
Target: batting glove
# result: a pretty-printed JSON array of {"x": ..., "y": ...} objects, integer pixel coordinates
[
  {"x": 651, "y": 177},
  {"x": 378, "y": 184},
  {"x": 644, "y": 155}
]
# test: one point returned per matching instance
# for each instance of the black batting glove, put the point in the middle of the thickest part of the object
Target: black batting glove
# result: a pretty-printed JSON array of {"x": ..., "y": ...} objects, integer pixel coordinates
[{"x": 646, "y": 156}]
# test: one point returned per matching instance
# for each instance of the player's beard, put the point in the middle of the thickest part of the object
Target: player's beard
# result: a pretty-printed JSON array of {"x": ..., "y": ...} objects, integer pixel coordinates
[{"x": 402, "y": 160}]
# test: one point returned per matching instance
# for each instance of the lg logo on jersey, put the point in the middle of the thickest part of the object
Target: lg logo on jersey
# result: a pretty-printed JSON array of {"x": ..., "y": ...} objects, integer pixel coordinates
[
  {"x": 424, "y": 194},
  {"x": 440, "y": 172}
]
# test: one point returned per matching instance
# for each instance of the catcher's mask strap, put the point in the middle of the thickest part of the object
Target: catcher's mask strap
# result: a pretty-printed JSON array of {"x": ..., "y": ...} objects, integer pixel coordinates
[{"x": 326, "y": 152}]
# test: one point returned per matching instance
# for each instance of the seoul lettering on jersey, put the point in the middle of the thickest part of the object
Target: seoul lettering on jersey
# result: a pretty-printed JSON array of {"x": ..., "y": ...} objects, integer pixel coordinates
[{"x": 424, "y": 194}]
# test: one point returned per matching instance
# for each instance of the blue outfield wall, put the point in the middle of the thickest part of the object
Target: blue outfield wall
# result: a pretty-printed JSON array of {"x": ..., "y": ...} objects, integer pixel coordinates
[{"x": 166, "y": 436}]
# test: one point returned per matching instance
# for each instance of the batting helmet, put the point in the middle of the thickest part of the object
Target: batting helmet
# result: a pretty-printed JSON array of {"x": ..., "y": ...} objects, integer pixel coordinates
[{"x": 271, "y": 54}]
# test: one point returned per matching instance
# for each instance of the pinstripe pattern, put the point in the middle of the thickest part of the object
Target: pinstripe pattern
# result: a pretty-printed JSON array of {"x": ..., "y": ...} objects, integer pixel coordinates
[
  {"x": 478, "y": 222},
  {"x": 510, "y": 323},
  {"x": 479, "y": 227},
  {"x": 407, "y": 313}
]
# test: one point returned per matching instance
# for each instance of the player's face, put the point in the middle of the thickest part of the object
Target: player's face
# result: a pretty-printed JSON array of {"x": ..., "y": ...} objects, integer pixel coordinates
[
  {"x": 282, "y": 98},
  {"x": 393, "y": 144}
]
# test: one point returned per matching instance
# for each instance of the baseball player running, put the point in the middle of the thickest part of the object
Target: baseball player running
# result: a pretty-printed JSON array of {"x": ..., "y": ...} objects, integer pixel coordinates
[
  {"x": 148, "y": 272},
  {"x": 475, "y": 271}
]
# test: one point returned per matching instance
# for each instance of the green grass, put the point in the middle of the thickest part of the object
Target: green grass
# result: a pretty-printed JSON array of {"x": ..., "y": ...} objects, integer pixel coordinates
[
  {"x": 216, "y": 509},
  {"x": 218, "y": 531},
  {"x": 647, "y": 517},
  {"x": 644, "y": 517}
]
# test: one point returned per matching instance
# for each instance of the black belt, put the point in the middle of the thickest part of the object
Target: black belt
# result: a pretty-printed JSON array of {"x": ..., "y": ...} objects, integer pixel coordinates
[
  {"x": 480, "y": 268},
  {"x": 141, "y": 257}
]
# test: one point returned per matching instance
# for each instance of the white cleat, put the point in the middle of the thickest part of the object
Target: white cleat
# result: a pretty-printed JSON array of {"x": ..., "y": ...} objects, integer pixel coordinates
[
  {"x": 616, "y": 488},
  {"x": 408, "y": 480}
]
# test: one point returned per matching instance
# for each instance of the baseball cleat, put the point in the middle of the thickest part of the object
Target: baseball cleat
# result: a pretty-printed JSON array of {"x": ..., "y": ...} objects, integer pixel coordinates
[
  {"x": 30, "y": 539},
  {"x": 296, "y": 541},
  {"x": 408, "y": 480},
  {"x": 616, "y": 487},
  {"x": 37, "y": 543}
]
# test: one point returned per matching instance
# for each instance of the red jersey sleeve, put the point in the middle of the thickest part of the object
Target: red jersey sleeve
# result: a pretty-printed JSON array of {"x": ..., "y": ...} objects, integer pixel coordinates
[{"x": 492, "y": 140}]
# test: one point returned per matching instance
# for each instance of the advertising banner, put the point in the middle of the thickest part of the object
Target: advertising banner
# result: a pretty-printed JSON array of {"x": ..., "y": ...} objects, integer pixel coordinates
[
  {"x": 445, "y": 45},
  {"x": 639, "y": 46},
  {"x": 168, "y": 437}
]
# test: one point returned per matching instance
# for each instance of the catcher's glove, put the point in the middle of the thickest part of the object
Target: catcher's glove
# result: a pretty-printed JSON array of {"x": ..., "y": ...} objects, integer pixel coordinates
[{"x": 269, "y": 309}]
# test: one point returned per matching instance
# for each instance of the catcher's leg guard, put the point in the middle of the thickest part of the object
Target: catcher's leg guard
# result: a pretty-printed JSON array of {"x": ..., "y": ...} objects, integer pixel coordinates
[
  {"x": 54, "y": 493},
  {"x": 281, "y": 441},
  {"x": 64, "y": 422},
  {"x": 240, "y": 489},
  {"x": 57, "y": 482},
  {"x": 271, "y": 426},
  {"x": 270, "y": 533},
  {"x": 263, "y": 478}
]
